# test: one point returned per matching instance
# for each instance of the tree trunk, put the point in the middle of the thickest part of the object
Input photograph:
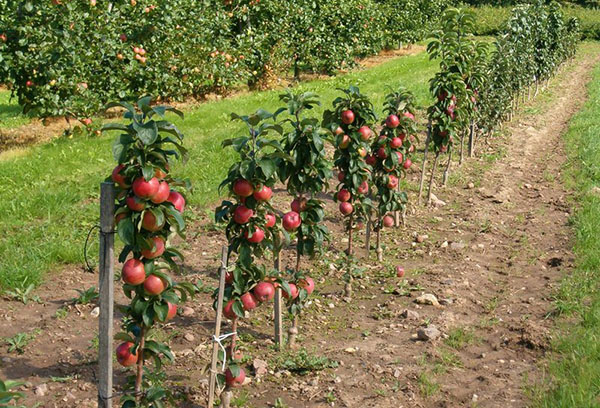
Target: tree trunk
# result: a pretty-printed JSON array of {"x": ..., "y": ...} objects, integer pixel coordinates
[
  {"x": 422, "y": 182},
  {"x": 435, "y": 163},
  {"x": 292, "y": 333},
  {"x": 447, "y": 171},
  {"x": 140, "y": 365},
  {"x": 348, "y": 286}
]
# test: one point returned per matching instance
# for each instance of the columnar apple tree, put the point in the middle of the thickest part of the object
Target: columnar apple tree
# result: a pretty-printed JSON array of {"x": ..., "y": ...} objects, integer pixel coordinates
[
  {"x": 306, "y": 175},
  {"x": 149, "y": 213},
  {"x": 252, "y": 226},
  {"x": 391, "y": 158},
  {"x": 351, "y": 121}
]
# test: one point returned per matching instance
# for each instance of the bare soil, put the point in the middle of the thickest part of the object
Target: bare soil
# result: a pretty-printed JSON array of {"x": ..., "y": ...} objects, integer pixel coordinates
[{"x": 492, "y": 255}]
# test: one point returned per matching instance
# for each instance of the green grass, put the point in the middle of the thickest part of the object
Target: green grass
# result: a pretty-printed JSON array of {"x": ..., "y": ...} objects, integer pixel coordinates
[
  {"x": 50, "y": 192},
  {"x": 574, "y": 372},
  {"x": 10, "y": 112}
]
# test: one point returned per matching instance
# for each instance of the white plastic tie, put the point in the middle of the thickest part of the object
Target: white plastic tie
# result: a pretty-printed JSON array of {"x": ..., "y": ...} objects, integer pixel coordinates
[{"x": 219, "y": 341}]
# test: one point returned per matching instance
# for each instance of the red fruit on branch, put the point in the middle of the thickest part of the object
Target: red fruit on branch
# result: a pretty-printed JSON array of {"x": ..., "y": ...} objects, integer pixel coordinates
[
  {"x": 229, "y": 277},
  {"x": 271, "y": 220},
  {"x": 243, "y": 188},
  {"x": 264, "y": 194},
  {"x": 242, "y": 214},
  {"x": 123, "y": 37},
  {"x": 347, "y": 117},
  {"x": 145, "y": 189},
  {"x": 399, "y": 271},
  {"x": 120, "y": 217},
  {"x": 370, "y": 160},
  {"x": 133, "y": 272},
  {"x": 392, "y": 121},
  {"x": 293, "y": 292},
  {"x": 177, "y": 200},
  {"x": 345, "y": 142},
  {"x": 232, "y": 381},
  {"x": 29, "y": 84},
  {"x": 409, "y": 115},
  {"x": 135, "y": 203},
  {"x": 363, "y": 188},
  {"x": 362, "y": 152},
  {"x": 158, "y": 250},
  {"x": 256, "y": 237},
  {"x": 392, "y": 182},
  {"x": 86, "y": 121},
  {"x": 162, "y": 194},
  {"x": 249, "y": 301},
  {"x": 407, "y": 164},
  {"x": 299, "y": 204},
  {"x": 396, "y": 143},
  {"x": 307, "y": 284},
  {"x": 172, "y": 311},
  {"x": 117, "y": 177},
  {"x": 264, "y": 291},
  {"x": 124, "y": 355},
  {"x": 388, "y": 221},
  {"x": 228, "y": 310},
  {"x": 381, "y": 153},
  {"x": 153, "y": 285},
  {"x": 149, "y": 222},
  {"x": 343, "y": 195},
  {"x": 442, "y": 95},
  {"x": 159, "y": 173},
  {"x": 346, "y": 208},
  {"x": 291, "y": 221},
  {"x": 365, "y": 133},
  {"x": 338, "y": 131},
  {"x": 400, "y": 157},
  {"x": 341, "y": 176}
]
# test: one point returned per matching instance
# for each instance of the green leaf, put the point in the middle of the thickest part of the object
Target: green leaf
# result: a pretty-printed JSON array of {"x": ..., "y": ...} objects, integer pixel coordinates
[
  {"x": 147, "y": 132},
  {"x": 161, "y": 310},
  {"x": 126, "y": 231}
]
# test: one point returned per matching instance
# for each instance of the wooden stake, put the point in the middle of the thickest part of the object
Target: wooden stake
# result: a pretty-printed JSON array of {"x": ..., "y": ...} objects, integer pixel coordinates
[
  {"x": 277, "y": 309},
  {"x": 368, "y": 237},
  {"x": 435, "y": 163},
  {"x": 106, "y": 291},
  {"x": 462, "y": 149},
  {"x": 447, "y": 171},
  {"x": 348, "y": 286},
  {"x": 215, "y": 354},
  {"x": 427, "y": 140},
  {"x": 471, "y": 139}
]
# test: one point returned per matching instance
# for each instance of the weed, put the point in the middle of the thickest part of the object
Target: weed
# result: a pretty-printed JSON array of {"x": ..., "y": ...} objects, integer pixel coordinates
[
  {"x": 459, "y": 338},
  {"x": 86, "y": 296},
  {"x": 23, "y": 292},
  {"x": 302, "y": 362}
]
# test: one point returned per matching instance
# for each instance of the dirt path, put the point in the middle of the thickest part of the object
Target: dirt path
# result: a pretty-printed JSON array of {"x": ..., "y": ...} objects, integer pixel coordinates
[{"x": 491, "y": 256}]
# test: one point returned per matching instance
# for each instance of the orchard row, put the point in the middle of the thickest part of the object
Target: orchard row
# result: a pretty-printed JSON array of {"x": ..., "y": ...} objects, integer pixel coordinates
[{"x": 70, "y": 57}]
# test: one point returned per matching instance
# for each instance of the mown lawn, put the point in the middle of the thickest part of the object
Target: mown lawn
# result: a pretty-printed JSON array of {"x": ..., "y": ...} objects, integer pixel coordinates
[
  {"x": 49, "y": 195},
  {"x": 574, "y": 371},
  {"x": 10, "y": 111}
]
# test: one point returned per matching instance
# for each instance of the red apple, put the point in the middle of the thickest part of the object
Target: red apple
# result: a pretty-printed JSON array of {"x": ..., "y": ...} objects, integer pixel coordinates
[
  {"x": 298, "y": 204},
  {"x": 135, "y": 203},
  {"x": 396, "y": 143},
  {"x": 29, "y": 84},
  {"x": 228, "y": 310},
  {"x": 346, "y": 208},
  {"x": 133, "y": 272},
  {"x": 264, "y": 194},
  {"x": 407, "y": 164},
  {"x": 371, "y": 160},
  {"x": 291, "y": 221},
  {"x": 249, "y": 301},
  {"x": 442, "y": 95},
  {"x": 381, "y": 153},
  {"x": 400, "y": 157},
  {"x": 307, "y": 284},
  {"x": 123, "y": 37},
  {"x": 338, "y": 131},
  {"x": 392, "y": 182},
  {"x": 271, "y": 220},
  {"x": 172, "y": 311},
  {"x": 399, "y": 271},
  {"x": 232, "y": 381},
  {"x": 264, "y": 291},
  {"x": 341, "y": 176},
  {"x": 177, "y": 200},
  {"x": 363, "y": 188},
  {"x": 162, "y": 194},
  {"x": 409, "y": 115},
  {"x": 362, "y": 152},
  {"x": 124, "y": 355},
  {"x": 243, "y": 188},
  {"x": 242, "y": 214},
  {"x": 229, "y": 277},
  {"x": 365, "y": 133},
  {"x": 343, "y": 195},
  {"x": 149, "y": 222},
  {"x": 118, "y": 178},
  {"x": 347, "y": 117},
  {"x": 388, "y": 221},
  {"x": 160, "y": 173},
  {"x": 293, "y": 290},
  {"x": 256, "y": 237},
  {"x": 145, "y": 189},
  {"x": 120, "y": 217},
  {"x": 86, "y": 121},
  {"x": 345, "y": 142},
  {"x": 158, "y": 250},
  {"x": 392, "y": 121},
  {"x": 153, "y": 285}
]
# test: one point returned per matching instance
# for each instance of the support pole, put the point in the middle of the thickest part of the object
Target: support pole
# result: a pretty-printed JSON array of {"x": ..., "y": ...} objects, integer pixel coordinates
[
  {"x": 215, "y": 354},
  {"x": 427, "y": 140},
  {"x": 277, "y": 309},
  {"x": 106, "y": 290},
  {"x": 471, "y": 138}
]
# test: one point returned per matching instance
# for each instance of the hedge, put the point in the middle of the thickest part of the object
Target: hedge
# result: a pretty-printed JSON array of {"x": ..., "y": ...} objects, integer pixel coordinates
[{"x": 68, "y": 57}]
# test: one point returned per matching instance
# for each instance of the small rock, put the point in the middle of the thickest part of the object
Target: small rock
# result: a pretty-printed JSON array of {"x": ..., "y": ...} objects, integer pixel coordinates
[
  {"x": 187, "y": 311},
  {"x": 446, "y": 302},
  {"x": 528, "y": 186},
  {"x": 427, "y": 299},
  {"x": 436, "y": 201},
  {"x": 41, "y": 390},
  {"x": 189, "y": 337},
  {"x": 421, "y": 238},
  {"x": 428, "y": 333},
  {"x": 457, "y": 246},
  {"x": 475, "y": 398},
  {"x": 95, "y": 312},
  {"x": 410, "y": 314},
  {"x": 444, "y": 244},
  {"x": 260, "y": 367},
  {"x": 471, "y": 185},
  {"x": 350, "y": 350}
]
